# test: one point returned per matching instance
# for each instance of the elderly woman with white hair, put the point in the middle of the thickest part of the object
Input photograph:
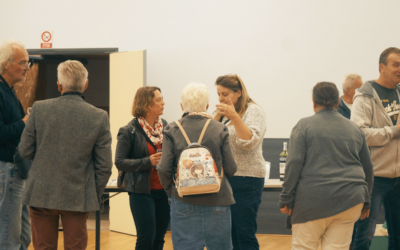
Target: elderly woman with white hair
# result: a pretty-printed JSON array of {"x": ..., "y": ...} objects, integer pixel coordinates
[{"x": 198, "y": 220}]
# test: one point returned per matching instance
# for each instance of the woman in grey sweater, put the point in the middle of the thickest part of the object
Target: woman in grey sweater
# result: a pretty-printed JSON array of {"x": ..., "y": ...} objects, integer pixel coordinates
[{"x": 328, "y": 177}]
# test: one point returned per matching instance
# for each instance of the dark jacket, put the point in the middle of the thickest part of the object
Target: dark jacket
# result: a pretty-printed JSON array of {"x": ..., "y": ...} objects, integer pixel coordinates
[
  {"x": 216, "y": 139},
  {"x": 343, "y": 109},
  {"x": 11, "y": 124},
  {"x": 328, "y": 169},
  {"x": 133, "y": 157},
  {"x": 69, "y": 142}
]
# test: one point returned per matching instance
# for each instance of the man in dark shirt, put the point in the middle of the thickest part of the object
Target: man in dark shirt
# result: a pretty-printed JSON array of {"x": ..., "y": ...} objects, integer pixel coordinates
[
  {"x": 15, "y": 232},
  {"x": 389, "y": 99},
  {"x": 350, "y": 84}
]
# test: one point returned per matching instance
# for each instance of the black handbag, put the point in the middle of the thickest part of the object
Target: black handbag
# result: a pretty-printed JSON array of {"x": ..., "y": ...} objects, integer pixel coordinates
[
  {"x": 21, "y": 165},
  {"x": 121, "y": 179},
  {"x": 122, "y": 174},
  {"x": 288, "y": 223}
]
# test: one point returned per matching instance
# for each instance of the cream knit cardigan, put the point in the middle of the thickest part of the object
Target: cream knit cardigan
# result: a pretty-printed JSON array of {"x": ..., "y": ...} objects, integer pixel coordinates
[{"x": 248, "y": 153}]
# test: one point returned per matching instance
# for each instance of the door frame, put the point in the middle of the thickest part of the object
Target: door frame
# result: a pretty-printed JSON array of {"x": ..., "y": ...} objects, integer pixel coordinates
[{"x": 72, "y": 51}]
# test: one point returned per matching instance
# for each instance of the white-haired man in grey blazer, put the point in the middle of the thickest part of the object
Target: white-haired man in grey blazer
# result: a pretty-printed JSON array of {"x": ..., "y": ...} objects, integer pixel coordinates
[{"x": 69, "y": 142}]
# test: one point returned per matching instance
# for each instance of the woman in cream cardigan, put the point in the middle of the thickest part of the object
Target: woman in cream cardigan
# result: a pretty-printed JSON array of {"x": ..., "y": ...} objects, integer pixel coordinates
[{"x": 246, "y": 122}]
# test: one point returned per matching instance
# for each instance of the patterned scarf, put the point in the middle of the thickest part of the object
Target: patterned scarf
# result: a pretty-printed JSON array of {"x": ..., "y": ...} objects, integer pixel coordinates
[
  {"x": 154, "y": 134},
  {"x": 204, "y": 114}
]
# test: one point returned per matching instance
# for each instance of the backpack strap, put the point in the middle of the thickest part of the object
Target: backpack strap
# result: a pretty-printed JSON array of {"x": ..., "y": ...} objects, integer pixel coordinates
[
  {"x": 183, "y": 132},
  {"x": 201, "y": 135},
  {"x": 204, "y": 130}
]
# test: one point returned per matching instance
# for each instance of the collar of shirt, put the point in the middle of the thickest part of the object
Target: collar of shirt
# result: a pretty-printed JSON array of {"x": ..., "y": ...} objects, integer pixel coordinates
[
  {"x": 73, "y": 93},
  {"x": 4, "y": 84},
  {"x": 347, "y": 104}
]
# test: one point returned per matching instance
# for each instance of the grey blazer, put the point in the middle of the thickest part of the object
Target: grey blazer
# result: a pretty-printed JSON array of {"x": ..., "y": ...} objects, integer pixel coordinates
[{"x": 69, "y": 142}]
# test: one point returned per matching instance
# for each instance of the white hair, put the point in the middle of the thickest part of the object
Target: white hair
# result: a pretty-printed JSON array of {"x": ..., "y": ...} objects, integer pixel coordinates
[
  {"x": 349, "y": 81},
  {"x": 7, "y": 51},
  {"x": 72, "y": 75},
  {"x": 195, "y": 97}
]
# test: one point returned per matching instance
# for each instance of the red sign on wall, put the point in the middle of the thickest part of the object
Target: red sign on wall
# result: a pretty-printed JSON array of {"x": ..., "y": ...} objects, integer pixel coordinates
[{"x": 46, "y": 39}]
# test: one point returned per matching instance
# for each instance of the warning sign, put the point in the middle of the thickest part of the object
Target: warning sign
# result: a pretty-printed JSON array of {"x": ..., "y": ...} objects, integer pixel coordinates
[{"x": 46, "y": 39}]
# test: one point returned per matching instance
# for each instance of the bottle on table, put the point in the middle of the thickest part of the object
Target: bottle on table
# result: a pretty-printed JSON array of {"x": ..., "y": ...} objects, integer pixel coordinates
[{"x": 282, "y": 161}]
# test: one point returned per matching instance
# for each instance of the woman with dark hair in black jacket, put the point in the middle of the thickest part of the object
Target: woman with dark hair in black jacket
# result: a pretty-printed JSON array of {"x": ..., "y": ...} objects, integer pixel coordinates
[{"x": 138, "y": 153}]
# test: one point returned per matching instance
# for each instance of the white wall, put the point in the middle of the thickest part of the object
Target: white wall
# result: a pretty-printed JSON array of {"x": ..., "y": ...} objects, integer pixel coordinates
[{"x": 280, "y": 48}]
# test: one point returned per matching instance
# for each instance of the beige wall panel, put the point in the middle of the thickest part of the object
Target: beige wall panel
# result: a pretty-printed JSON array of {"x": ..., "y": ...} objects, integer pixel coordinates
[
  {"x": 120, "y": 216},
  {"x": 127, "y": 74}
]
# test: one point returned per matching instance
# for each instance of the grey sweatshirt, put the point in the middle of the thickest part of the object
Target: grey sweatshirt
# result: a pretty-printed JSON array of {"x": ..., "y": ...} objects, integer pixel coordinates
[
  {"x": 381, "y": 134},
  {"x": 329, "y": 168}
]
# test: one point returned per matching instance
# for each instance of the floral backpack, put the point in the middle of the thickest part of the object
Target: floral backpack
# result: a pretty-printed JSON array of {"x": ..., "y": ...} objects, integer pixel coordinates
[{"x": 196, "y": 171}]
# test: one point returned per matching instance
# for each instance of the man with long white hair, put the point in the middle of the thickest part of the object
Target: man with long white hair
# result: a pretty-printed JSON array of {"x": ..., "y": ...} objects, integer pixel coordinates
[
  {"x": 351, "y": 82},
  {"x": 69, "y": 142},
  {"x": 15, "y": 232}
]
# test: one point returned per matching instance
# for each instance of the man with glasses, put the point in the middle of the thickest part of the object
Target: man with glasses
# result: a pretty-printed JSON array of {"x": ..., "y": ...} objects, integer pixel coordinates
[
  {"x": 15, "y": 231},
  {"x": 376, "y": 111}
]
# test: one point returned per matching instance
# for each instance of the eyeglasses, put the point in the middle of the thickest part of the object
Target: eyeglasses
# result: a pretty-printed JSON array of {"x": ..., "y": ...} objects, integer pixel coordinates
[{"x": 23, "y": 64}]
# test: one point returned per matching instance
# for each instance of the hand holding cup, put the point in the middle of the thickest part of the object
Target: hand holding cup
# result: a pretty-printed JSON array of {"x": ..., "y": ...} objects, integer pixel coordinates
[{"x": 155, "y": 158}]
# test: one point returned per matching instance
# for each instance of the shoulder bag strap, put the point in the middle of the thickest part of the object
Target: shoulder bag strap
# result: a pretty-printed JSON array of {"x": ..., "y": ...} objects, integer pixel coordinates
[
  {"x": 204, "y": 130},
  {"x": 183, "y": 132},
  {"x": 131, "y": 137}
]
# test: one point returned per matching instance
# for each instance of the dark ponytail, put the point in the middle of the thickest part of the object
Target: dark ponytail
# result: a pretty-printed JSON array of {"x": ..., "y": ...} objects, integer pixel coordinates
[{"x": 326, "y": 94}]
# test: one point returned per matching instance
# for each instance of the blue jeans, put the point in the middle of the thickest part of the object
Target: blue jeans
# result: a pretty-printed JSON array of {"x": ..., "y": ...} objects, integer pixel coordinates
[
  {"x": 386, "y": 191},
  {"x": 193, "y": 227},
  {"x": 247, "y": 192},
  {"x": 15, "y": 225}
]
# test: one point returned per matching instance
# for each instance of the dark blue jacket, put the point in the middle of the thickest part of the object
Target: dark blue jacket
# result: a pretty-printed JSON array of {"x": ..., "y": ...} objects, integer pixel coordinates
[
  {"x": 343, "y": 109},
  {"x": 11, "y": 124}
]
